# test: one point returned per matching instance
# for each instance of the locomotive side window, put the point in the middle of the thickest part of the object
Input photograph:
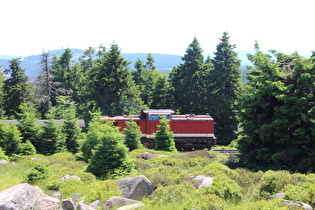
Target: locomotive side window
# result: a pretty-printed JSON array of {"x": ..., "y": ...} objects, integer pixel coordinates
[
  {"x": 154, "y": 117},
  {"x": 158, "y": 117}
]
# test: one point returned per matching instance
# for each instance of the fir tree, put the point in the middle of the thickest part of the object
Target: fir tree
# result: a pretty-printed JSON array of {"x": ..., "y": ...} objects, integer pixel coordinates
[
  {"x": 15, "y": 88},
  {"x": 225, "y": 83},
  {"x": 185, "y": 80},
  {"x": 164, "y": 138},
  {"x": 110, "y": 157},
  {"x": 132, "y": 135}
]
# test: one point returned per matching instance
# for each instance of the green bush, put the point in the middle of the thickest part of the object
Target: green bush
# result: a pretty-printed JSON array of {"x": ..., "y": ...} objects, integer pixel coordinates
[
  {"x": 27, "y": 148},
  {"x": 224, "y": 187},
  {"x": 3, "y": 156},
  {"x": 204, "y": 202},
  {"x": 273, "y": 182},
  {"x": 215, "y": 169},
  {"x": 37, "y": 173}
]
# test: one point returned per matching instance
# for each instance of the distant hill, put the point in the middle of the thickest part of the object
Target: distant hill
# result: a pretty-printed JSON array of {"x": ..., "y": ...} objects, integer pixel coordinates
[{"x": 163, "y": 62}]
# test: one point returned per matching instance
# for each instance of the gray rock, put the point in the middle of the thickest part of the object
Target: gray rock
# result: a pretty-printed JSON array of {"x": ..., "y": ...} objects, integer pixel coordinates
[
  {"x": 149, "y": 156},
  {"x": 83, "y": 206},
  {"x": 4, "y": 162},
  {"x": 118, "y": 201},
  {"x": 36, "y": 158},
  {"x": 47, "y": 203},
  {"x": 136, "y": 187},
  {"x": 67, "y": 176},
  {"x": 95, "y": 204},
  {"x": 25, "y": 196},
  {"x": 67, "y": 204},
  {"x": 278, "y": 195},
  {"x": 201, "y": 181},
  {"x": 131, "y": 206},
  {"x": 75, "y": 197},
  {"x": 298, "y": 204}
]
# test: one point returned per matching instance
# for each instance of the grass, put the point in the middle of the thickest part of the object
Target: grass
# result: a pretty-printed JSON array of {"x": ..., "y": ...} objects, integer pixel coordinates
[{"x": 232, "y": 189}]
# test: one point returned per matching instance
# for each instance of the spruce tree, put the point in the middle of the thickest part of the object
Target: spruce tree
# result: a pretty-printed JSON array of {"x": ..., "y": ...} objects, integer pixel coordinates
[
  {"x": 164, "y": 138},
  {"x": 132, "y": 135},
  {"x": 15, "y": 88},
  {"x": 277, "y": 113},
  {"x": 114, "y": 90},
  {"x": 162, "y": 97},
  {"x": 110, "y": 158},
  {"x": 224, "y": 88},
  {"x": 10, "y": 138},
  {"x": 185, "y": 80}
]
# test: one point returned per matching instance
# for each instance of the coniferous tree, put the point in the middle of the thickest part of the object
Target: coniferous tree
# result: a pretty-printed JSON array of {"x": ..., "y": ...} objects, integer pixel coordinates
[
  {"x": 10, "y": 138},
  {"x": 114, "y": 90},
  {"x": 225, "y": 83},
  {"x": 164, "y": 137},
  {"x": 132, "y": 135},
  {"x": 15, "y": 88},
  {"x": 110, "y": 158},
  {"x": 162, "y": 97},
  {"x": 52, "y": 138},
  {"x": 185, "y": 80},
  {"x": 2, "y": 78},
  {"x": 27, "y": 124},
  {"x": 277, "y": 113}
]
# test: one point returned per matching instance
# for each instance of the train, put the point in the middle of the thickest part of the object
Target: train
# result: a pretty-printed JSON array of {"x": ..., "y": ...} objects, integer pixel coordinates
[{"x": 191, "y": 132}]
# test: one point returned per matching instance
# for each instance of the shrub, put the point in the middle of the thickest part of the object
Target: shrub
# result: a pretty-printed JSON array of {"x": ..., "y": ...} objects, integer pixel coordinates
[
  {"x": 3, "y": 156},
  {"x": 164, "y": 138},
  {"x": 37, "y": 173},
  {"x": 224, "y": 187},
  {"x": 110, "y": 157},
  {"x": 132, "y": 135},
  {"x": 273, "y": 182},
  {"x": 215, "y": 169},
  {"x": 27, "y": 148}
]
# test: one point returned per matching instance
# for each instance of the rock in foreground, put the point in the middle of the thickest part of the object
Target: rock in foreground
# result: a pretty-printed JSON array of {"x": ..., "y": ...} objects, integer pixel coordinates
[{"x": 25, "y": 196}]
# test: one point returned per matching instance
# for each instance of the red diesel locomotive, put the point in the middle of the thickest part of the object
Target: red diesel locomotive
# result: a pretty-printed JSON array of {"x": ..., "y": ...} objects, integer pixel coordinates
[{"x": 190, "y": 131}]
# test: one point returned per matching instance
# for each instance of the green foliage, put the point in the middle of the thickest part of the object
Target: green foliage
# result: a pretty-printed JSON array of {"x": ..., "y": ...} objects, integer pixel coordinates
[
  {"x": 132, "y": 135},
  {"x": 2, "y": 155},
  {"x": 15, "y": 89},
  {"x": 52, "y": 138},
  {"x": 225, "y": 82},
  {"x": 27, "y": 148},
  {"x": 164, "y": 138},
  {"x": 277, "y": 113},
  {"x": 224, "y": 187},
  {"x": 215, "y": 169},
  {"x": 113, "y": 89},
  {"x": 188, "y": 81},
  {"x": 66, "y": 110},
  {"x": 274, "y": 182},
  {"x": 110, "y": 156},
  {"x": 37, "y": 173},
  {"x": 10, "y": 138}
]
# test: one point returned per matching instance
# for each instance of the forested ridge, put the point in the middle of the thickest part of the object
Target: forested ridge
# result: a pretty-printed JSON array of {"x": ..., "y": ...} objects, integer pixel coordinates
[{"x": 271, "y": 117}]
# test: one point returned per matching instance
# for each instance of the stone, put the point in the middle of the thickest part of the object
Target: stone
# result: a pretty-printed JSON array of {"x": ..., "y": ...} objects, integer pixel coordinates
[
  {"x": 83, "y": 206},
  {"x": 131, "y": 206},
  {"x": 201, "y": 181},
  {"x": 75, "y": 197},
  {"x": 118, "y": 201},
  {"x": 95, "y": 204},
  {"x": 67, "y": 204},
  {"x": 4, "y": 162},
  {"x": 149, "y": 156},
  {"x": 297, "y": 204},
  {"x": 25, "y": 196},
  {"x": 67, "y": 176},
  {"x": 136, "y": 187},
  {"x": 278, "y": 195}
]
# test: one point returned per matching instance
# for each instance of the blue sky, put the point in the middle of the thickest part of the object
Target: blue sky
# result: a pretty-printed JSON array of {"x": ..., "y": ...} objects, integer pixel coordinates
[{"x": 154, "y": 26}]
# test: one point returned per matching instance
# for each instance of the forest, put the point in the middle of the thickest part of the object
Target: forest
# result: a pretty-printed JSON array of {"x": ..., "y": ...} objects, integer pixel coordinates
[{"x": 269, "y": 118}]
